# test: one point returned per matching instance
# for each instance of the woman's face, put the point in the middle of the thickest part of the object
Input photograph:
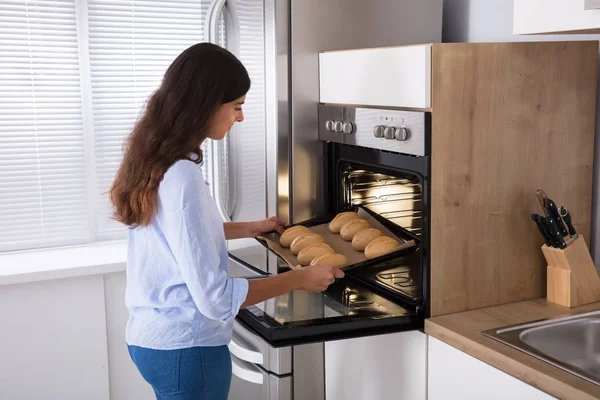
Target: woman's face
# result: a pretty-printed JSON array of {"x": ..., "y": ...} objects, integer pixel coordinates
[{"x": 227, "y": 115}]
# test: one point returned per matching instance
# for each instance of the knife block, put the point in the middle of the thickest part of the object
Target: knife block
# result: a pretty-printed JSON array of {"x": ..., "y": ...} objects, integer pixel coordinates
[{"x": 572, "y": 277}]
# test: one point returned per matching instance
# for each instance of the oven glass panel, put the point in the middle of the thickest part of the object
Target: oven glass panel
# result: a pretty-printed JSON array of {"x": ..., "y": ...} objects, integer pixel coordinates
[
  {"x": 343, "y": 300},
  {"x": 398, "y": 198}
]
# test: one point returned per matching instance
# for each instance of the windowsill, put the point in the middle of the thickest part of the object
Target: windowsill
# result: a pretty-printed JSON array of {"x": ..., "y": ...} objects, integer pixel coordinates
[{"x": 64, "y": 262}]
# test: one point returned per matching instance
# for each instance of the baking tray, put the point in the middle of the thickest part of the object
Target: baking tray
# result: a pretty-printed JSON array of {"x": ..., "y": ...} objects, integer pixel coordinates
[{"x": 341, "y": 246}]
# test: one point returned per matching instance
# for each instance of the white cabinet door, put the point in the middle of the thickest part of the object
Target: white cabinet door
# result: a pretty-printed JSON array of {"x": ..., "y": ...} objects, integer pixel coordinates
[
  {"x": 554, "y": 16},
  {"x": 386, "y": 77},
  {"x": 53, "y": 340},
  {"x": 453, "y": 374},
  {"x": 390, "y": 367}
]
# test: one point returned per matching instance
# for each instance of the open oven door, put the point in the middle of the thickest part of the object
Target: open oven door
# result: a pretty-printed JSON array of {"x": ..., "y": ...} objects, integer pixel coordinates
[{"x": 349, "y": 308}]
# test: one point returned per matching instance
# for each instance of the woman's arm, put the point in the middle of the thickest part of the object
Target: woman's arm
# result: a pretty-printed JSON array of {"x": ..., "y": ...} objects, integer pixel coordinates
[
  {"x": 238, "y": 230},
  {"x": 315, "y": 278}
]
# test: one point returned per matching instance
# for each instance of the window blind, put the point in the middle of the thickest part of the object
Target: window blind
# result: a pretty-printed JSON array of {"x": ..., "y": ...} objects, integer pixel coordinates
[
  {"x": 43, "y": 198},
  {"x": 74, "y": 77},
  {"x": 131, "y": 44}
]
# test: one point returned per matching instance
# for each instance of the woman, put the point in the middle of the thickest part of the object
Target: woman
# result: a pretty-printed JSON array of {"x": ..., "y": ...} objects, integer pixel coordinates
[{"x": 181, "y": 301}]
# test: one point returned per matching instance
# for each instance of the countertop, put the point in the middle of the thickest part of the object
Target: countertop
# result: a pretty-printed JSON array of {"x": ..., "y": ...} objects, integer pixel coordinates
[
  {"x": 463, "y": 331},
  {"x": 62, "y": 262}
]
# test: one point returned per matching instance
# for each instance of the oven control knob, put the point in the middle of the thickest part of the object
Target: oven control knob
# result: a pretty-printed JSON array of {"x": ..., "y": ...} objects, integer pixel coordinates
[
  {"x": 402, "y": 134},
  {"x": 389, "y": 132},
  {"x": 378, "y": 131},
  {"x": 337, "y": 126},
  {"x": 329, "y": 125},
  {"x": 348, "y": 127}
]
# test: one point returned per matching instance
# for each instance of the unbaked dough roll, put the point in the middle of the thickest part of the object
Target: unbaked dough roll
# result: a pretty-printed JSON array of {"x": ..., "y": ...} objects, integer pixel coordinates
[
  {"x": 305, "y": 240},
  {"x": 381, "y": 246},
  {"x": 309, "y": 253},
  {"x": 336, "y": 224},
  {"x": 353, "y": 226},
  {"x": 362, "y": 238},
  {"x": 331, "y": 260},
  {"x": 288, "y": 236}
]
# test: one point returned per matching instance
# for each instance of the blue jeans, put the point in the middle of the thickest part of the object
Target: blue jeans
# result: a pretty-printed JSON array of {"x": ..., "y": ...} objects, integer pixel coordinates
[{"x": 196, "y": 373}]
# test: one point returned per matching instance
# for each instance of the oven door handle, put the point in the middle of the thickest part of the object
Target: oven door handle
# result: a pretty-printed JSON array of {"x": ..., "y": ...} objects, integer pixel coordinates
[
  {"x": 245, "y": 373},
  {"x": 244, "y": 353}
]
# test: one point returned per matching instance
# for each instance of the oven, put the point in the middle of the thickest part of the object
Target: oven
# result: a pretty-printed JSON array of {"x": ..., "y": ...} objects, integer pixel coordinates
[
  {"x": 379, "y": 159},
  {"x": 365, "y": 165}
]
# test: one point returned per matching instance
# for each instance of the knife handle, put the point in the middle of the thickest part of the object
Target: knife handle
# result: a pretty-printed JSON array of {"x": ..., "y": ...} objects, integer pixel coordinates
[
  {"x": 556, "y": 232},
  {"x": 553, "y": 212},
  {"x": 536, "y": 219},
  {"x": 564, "y": 213},
  {"x": 546, "y": 228},
  {"x": 541, "y": 195}
]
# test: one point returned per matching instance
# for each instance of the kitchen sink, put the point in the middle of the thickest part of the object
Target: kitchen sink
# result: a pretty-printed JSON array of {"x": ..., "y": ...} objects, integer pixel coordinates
[{"x": 570, "y": 343}]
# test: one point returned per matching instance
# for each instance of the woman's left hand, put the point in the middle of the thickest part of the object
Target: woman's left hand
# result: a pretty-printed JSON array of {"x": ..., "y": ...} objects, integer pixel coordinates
[{"x": 266, "y": 225}]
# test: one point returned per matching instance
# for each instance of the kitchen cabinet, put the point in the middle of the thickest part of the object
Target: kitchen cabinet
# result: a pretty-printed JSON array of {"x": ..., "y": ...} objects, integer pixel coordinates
[
  {"x": 453, "y": 374},
  {"x": 65, "y": 339},
  {"x": 556, "y": 16},
  {"x": 392, "y": 366},
  {"x": 53, "y": 340}
]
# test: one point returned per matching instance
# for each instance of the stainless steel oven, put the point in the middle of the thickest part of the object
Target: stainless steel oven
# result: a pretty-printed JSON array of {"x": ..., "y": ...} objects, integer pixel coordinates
[{"x": 388, "y": 177}]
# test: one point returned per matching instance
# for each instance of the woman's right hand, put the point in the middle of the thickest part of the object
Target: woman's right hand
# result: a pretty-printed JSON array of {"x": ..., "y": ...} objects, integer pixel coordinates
[{"x": 317, "y": 278}]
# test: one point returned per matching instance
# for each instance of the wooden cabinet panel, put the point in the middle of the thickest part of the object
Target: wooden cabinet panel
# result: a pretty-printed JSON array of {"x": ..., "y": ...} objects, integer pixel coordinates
[{"x": 507, "y": 119}]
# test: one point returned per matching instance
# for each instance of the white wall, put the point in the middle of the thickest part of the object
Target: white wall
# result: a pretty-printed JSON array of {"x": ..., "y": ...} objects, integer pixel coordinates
[{"x": 492, "y": 21}]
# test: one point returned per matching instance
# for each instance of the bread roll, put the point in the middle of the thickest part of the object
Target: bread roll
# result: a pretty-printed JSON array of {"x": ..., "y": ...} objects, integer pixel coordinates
[
  {"x": 305, "y": 240},
  {"x": 288, "y": 236},
  {"x": 313, "y": 251},
  {"x": 331, "y": 260},
  {"x": 353, "y": 226},
  {"x": 336, "y": 224},
  {"x": 381, "y": 246},
  {"x": 362, "y": 238}
]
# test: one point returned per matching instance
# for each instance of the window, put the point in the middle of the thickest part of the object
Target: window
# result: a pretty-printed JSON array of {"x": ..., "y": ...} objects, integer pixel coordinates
[
  {"x": 131, "y": 44},
  {"x": 43, "y": 194},
  {"x": 74, "y": 76}
]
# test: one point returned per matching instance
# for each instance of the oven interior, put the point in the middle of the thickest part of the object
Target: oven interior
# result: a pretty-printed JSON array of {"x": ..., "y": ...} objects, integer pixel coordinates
[{"x": 397, "y": 196}]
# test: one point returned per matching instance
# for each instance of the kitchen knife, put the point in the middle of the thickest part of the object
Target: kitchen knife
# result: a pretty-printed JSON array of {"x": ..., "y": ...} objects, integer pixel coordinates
[
  {"x": 551, "y": 222},
  {"x": 541, "y": 195},
  {"x": 564, "y": 213},
  {"x": 553, "y": 212},
  {"x": 546, "y": 229},
  {"x": 536, "y": 219}
]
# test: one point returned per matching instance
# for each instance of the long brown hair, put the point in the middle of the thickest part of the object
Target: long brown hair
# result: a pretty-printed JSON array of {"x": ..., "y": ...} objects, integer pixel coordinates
[{"x": 174, "y": 123}]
